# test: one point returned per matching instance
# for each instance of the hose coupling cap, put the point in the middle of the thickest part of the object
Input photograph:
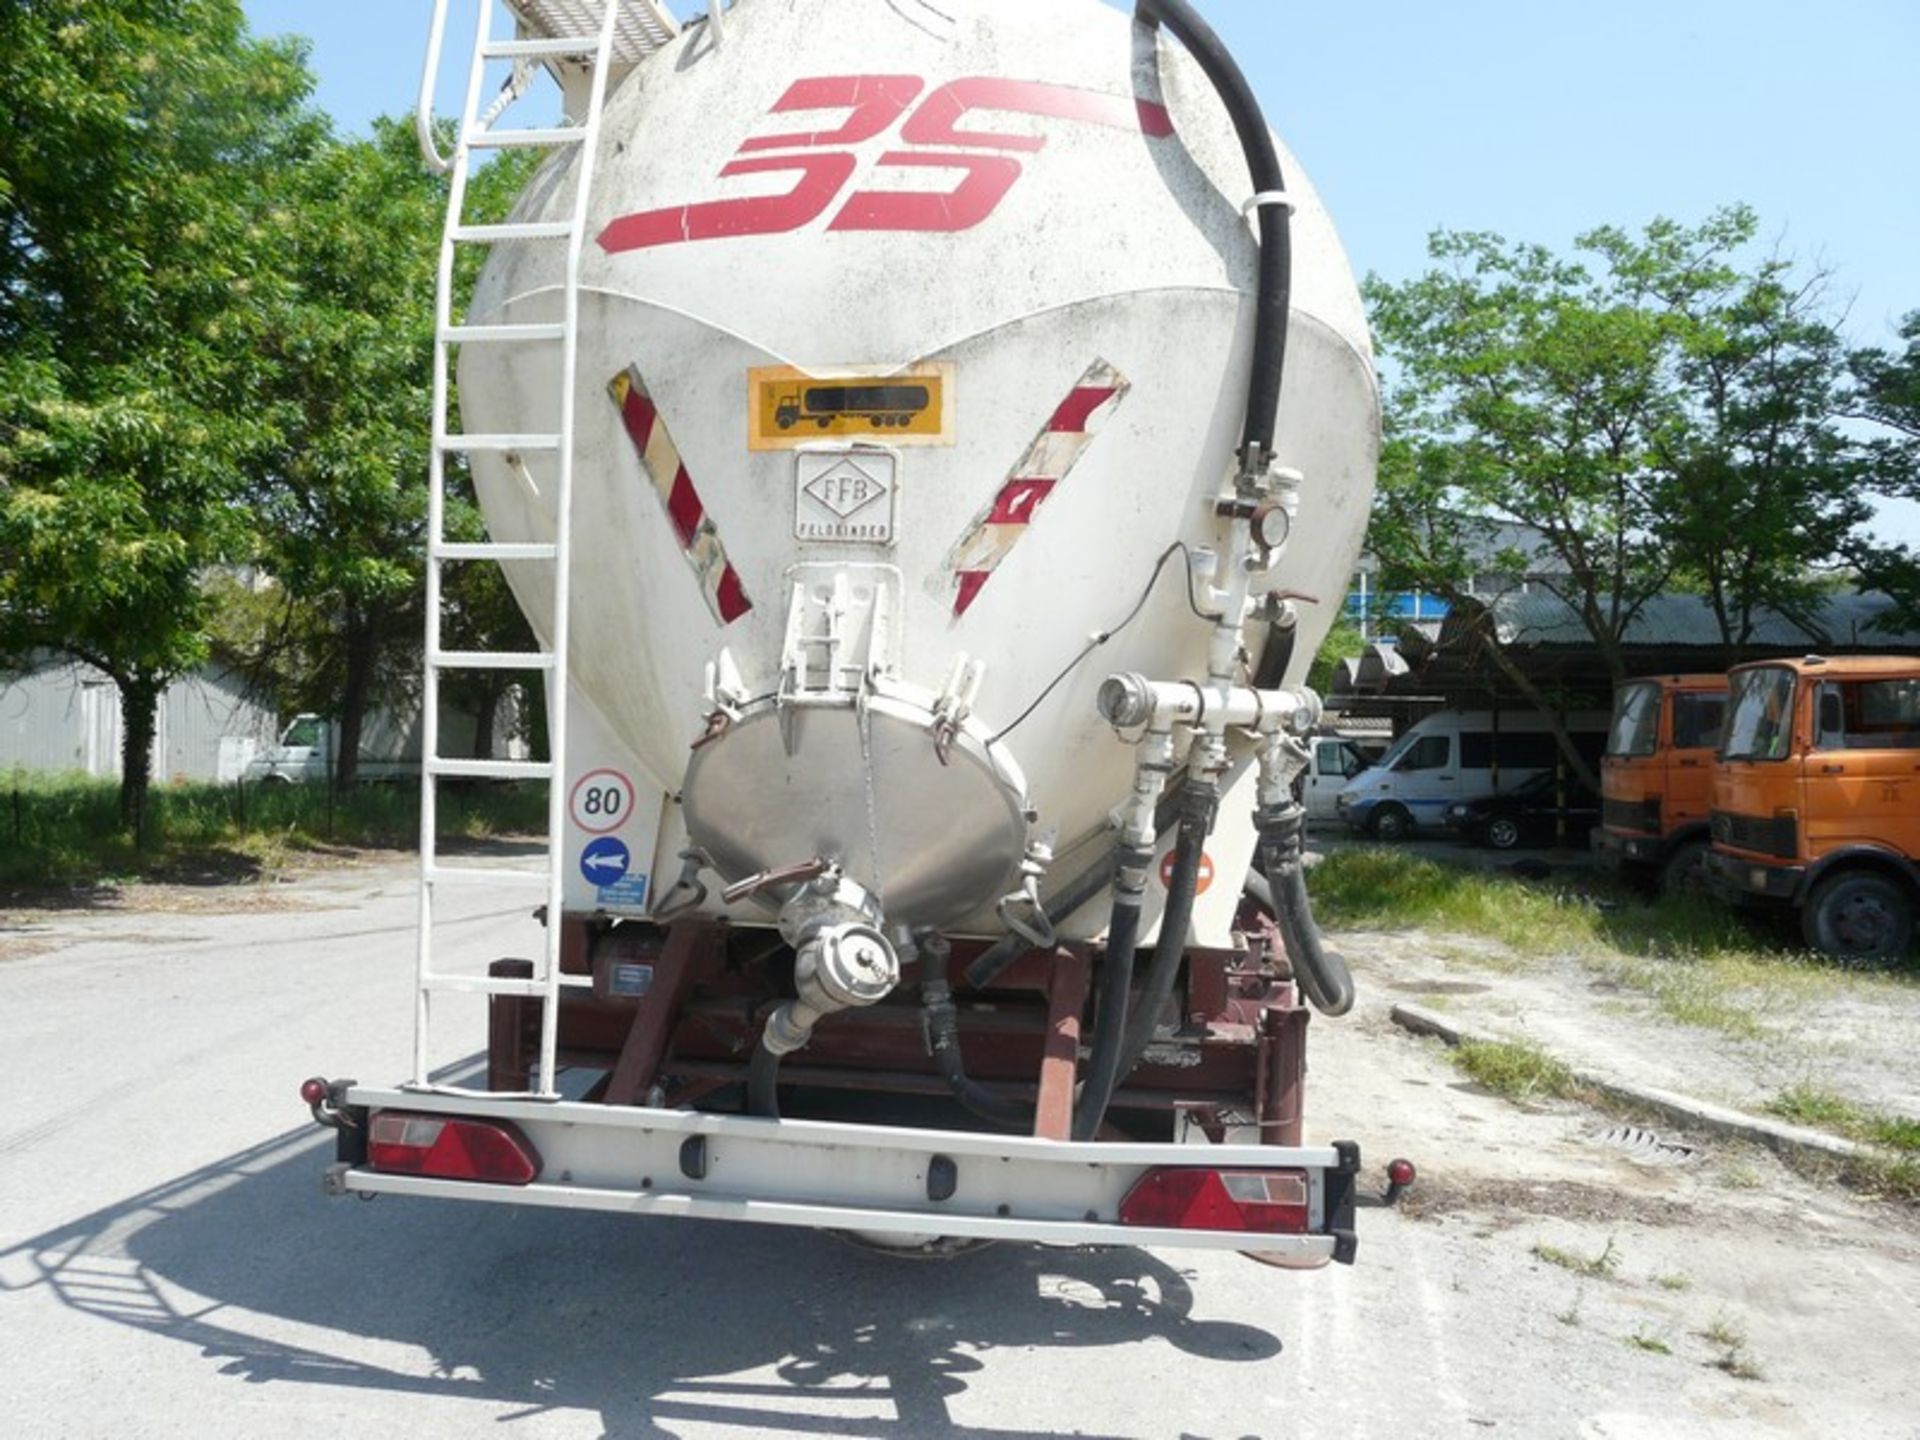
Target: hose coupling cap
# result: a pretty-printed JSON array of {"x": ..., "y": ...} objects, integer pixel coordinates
[{"x": 1126, "y": 701}]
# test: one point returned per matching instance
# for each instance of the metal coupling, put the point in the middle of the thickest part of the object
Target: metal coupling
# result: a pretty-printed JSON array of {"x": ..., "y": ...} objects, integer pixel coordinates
[
  {"x": 840, "y": 967},
  {"x": 1126, "y": 701}
]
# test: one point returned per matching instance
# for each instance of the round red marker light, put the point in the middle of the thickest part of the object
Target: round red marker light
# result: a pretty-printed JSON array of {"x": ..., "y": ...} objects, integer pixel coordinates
[
  {"x": 1401, "y": 1173},
  {"x": 313, "y": 1091}
]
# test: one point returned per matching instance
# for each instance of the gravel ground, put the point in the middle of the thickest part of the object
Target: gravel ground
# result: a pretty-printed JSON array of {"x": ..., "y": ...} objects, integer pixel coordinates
[{"x": 169, "y": 1266}]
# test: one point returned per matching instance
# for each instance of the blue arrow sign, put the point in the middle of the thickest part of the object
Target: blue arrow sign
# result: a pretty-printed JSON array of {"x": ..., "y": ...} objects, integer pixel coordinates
[{"x": 605, "y": 862}]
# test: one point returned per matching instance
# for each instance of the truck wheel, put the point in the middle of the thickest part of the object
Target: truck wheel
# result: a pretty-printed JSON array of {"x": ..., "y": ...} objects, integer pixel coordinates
[
  {"x": 1860, "y": 918},
  {"x": 1685, "y": 872},
  {"x": 1391, "y": 823},
  {"x": 1503, "y": 833}
]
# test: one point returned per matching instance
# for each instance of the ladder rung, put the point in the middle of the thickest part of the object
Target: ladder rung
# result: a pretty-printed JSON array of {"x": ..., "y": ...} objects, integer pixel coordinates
[
  {"x": 473, "y": 875},
  {"x": 486, "y": 985},
  {"x": 491, "y": 550},
  {"x": 500, "y": 334},
  {"x": 519, "y": 230},
  {"x": 489, "y": 769},
  {"x": 534, "y": 49},
  {"x": 469, "y": 443},
  {"x": 490, "y": 660},
  {"x": 524, "y": 139}
]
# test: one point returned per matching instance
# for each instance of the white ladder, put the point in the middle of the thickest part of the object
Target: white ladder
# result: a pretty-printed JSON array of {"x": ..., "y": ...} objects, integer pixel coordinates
[{"x": 607, "y": 34}]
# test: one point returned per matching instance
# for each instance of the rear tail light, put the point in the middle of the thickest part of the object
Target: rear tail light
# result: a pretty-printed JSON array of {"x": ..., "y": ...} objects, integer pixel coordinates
[
  {"x": 1264, "y": 1202},
  {"x": 451, "y": 1148}
]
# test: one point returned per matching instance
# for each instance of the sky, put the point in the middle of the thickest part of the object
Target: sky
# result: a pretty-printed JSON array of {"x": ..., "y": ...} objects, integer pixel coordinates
[{"x": 1534, "y": 119}]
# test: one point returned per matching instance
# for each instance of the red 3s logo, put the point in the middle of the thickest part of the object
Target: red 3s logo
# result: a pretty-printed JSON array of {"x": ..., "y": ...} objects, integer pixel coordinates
[{"x": 930, "y": 138}]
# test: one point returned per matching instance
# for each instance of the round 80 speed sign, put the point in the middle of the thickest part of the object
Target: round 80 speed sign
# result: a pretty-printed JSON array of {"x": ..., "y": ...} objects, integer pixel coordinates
[{"x": 602, "y": 801}]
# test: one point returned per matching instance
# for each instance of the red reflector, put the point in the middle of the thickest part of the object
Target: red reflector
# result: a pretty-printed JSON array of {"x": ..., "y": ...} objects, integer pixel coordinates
[
  {"x": 1266, "y": 1202},
  {"x": 1401, "y": 1173},
  {"x": 450, "y": 1148}
]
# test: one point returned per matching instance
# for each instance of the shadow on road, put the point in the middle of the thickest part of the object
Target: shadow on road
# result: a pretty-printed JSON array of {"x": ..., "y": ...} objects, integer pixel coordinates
[{"x": 641, "y": 1321}]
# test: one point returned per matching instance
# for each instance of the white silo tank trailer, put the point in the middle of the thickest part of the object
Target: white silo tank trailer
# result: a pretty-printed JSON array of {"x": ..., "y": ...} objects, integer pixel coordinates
[{"x": 930, "y": 444}]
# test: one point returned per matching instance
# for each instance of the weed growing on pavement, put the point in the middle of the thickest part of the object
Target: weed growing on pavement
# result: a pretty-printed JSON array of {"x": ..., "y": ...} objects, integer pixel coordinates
[
  {"x": 1728, "y": 1336},
  {"x": 1873, "y": 1173},
  {"x": 1653, "y": 1344},
  {"x": 1674, "y": 1281},
  {"x": 1570, "y": 1316},
  {"x": 1515, "y": 1070},
  {"x": 1740, "y": 1365},
  {"x": 1723, "y": 1330},
  {"x": 1593, "y": 1267},
  {"x": 1824, "y": 1110}
]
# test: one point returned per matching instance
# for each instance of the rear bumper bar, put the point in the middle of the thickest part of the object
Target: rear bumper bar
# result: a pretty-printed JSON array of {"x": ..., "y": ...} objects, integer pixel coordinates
[{"x": 870, "y": 1179}]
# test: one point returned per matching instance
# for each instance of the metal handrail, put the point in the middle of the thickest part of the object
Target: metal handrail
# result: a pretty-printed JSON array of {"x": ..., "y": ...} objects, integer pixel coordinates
[{"x": 423, "y": 112}]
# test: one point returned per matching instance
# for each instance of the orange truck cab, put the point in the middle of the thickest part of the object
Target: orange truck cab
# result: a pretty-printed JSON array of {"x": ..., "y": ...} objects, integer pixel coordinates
[
  {"x": 1657, "y": 776},
  {"x": 1816, "y": 800}
]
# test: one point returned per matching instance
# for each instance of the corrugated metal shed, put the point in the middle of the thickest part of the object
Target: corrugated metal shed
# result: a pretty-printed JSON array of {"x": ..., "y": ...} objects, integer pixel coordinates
[
  {"x": 61, "y": 717},
  {"x": 1842, "y": 622},
  {"x": 1447, "y": 664}
]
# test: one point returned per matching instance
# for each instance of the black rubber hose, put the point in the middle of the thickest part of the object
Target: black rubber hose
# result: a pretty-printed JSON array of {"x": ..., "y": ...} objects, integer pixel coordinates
[
  {"x": 990, "y": 964},
  {"x": 1275, "y": 297},
  {"x": 943, "y": 1044},
  {"x": 763, "y": 1083},
  {"x": 1322, "y": 974},
  {"x": 1200, "y": 803},
  {"x": 1116, "y": 980}
]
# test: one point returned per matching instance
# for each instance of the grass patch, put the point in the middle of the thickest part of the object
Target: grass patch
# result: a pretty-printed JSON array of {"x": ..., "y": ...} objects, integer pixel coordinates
[
  {"x": 1514, "y": 1069},
  {"x": 1593, "y": 1267},
  {"x": 1725, "y": 1331},
  {"x": 1700, "y": 964},
  {"x": 1824, "y": 1110},
  {"x": 56, "y": 831},
  {"x": 1650, "y": 1342},
  {"x": 1740, "y": 1365},
  {"x": 1728, "y": 1336},
  {"x": 1674, "y": 1281}
]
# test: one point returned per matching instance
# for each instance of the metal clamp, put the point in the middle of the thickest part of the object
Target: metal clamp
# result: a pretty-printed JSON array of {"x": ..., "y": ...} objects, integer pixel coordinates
[
  {"x": 1270, "y": 197},
  {"x": 689, "y": 892}
]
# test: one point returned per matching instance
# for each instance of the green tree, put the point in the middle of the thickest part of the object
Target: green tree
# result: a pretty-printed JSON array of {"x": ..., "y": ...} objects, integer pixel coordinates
[
  {"x": 342, "y": 491},
  {"x": 139, "y": 143},
  {"x": 1886, "y": 395},
  {"x": 1653, "y": 414}
]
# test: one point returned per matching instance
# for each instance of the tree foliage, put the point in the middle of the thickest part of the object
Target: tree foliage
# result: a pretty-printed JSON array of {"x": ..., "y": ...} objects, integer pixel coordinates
[
  {"x": 1886, "y": 396},
  {"x": 1658, "y": 412},
  {"x": 139, "y": 144},
  {"x": 342, "y": 490}
]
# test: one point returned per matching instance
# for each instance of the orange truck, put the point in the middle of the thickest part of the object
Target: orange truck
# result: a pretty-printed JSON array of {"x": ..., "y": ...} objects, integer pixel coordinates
[
  {"x": 1816, "y": 800},
  {"x": 1656, "y": 778}
]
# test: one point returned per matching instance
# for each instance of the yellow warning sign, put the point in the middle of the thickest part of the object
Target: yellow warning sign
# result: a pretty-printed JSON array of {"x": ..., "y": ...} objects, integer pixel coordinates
[{"x": 787, "y": 408}]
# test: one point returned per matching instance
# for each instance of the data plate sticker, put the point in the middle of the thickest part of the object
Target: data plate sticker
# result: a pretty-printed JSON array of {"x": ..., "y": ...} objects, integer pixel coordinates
[
  {"x": 846, "y": 497},
  {"x": 789, "y": 408}
]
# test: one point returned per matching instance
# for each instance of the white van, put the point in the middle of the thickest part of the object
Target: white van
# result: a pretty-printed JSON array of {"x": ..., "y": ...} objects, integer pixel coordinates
[
  {"x": 1332, "y": 761},
  {"x": 1458, "y": 755}
]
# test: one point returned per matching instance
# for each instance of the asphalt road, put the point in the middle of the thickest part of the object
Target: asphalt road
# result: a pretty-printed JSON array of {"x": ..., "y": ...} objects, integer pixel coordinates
[{"x": 169, "y": 1267}]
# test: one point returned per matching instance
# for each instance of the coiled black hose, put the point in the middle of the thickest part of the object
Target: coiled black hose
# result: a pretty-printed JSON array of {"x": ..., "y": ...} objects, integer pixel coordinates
[
  {"x": 1273, "y": 302},
  {"x": 1322, "y": 974},
  {"x": 1275, "y": 298}
]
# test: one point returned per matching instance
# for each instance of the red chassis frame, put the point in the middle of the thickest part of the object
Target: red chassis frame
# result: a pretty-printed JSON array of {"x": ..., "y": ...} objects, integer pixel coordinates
[{"x": 705, "y": 993}]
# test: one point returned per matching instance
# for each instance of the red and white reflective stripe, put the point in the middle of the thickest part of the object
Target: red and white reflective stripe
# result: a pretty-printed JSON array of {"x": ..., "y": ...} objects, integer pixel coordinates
[
  {"x": 1051, "y": 458},
  {"x": 692, "y": 526}
]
